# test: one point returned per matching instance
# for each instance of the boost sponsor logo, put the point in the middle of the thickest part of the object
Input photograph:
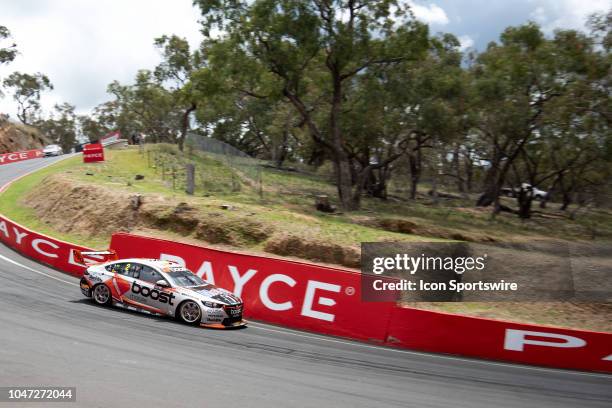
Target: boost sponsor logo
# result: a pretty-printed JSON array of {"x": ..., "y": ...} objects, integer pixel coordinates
[{"x": 154, "y": 294}]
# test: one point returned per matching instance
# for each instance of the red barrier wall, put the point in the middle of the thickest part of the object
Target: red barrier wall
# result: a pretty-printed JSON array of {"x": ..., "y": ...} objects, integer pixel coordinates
[
  {"x": 328, "y": 300},
  {"x": 291, "y": 294},
  {"x": 7, "y": 158},
  {"x": 39, "y": 247},
  {"x": 110, "y": 138},
  {"x": 499, "y": 340}
]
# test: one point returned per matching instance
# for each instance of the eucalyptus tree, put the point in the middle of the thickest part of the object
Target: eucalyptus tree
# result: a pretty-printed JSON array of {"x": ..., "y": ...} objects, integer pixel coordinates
[
  {"x": 314, "y": 50},
  {"x": 8, "y": 51},
  {"x": 26, "y": 89},
  {"x": 180, "y": 67},
  {"x": 145, "y": 107},
  {"x": 517, "y": 80},
  {"x": 61, "y": 126}
]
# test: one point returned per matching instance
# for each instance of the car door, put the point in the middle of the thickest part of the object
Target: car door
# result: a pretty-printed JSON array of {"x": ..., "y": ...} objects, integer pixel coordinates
[
  {"x": 149, "y": 294},
  {"x": 123, "y": 279}
]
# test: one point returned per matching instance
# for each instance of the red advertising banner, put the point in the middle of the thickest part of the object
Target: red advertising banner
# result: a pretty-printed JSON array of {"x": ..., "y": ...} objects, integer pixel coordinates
[
  {"x": 327, "y": 300},
  {"x": 6, "y": 158},
  {"x": 55, "y": 253},
  {"x": 499, "y": 340},
  {"x": 93, "y": 153},
  {"x": 110, "y": 138},
  {"x": 292, "y": 294}
]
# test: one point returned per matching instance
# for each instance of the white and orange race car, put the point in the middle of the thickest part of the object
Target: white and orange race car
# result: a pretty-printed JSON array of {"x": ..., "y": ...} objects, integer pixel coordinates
[{"x": 159, "y": 287}]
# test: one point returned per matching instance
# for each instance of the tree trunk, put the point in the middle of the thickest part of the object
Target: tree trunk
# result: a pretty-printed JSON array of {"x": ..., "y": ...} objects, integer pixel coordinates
[
  {"x": 567, "y": 200},
  {"x": 280, "y": 152},
  {"x": 525, "y": 199},
  {"x": 342, "y": 162},
  {"x": 378, "y": 187},
  {"x": 185, "y": 125},
  {"x": 457, "y": 168},
  {"x": 344, "y": 182},
  {"x": 414, "y": 160},
  {"x": 491, "y": 182},
  {"x": 360, "y": 183}
]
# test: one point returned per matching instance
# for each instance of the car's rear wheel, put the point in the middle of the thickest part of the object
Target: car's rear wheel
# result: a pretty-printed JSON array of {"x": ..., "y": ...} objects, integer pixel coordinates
[
  {"x": 190, "y": 312},
  {"x": 101, "y": 294}
]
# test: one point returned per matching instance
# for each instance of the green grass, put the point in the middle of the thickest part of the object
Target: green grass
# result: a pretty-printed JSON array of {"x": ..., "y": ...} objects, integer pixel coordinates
[
  {"x": 282, "y": 206},
  {"x": 281, "y": 199},
  {"x": 11, "y": 206}
]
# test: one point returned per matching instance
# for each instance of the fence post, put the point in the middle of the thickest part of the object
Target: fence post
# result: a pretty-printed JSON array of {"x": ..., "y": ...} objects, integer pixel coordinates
[{"x": 190, "y": 176}]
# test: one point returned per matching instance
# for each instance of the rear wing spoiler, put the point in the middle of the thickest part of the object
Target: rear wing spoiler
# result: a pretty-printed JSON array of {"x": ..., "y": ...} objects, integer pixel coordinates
[{"x": 94, "y": 257}]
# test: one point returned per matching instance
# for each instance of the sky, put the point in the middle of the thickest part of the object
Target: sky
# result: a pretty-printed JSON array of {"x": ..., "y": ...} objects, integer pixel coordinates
[{"x": 83, "y": 45}]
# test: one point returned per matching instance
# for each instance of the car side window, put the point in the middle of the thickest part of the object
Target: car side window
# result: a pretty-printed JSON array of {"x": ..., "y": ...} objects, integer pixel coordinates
[
  {"x": 120, "y": 268},
  {"x": 149, "y": 274},
  {"x": 135, "y": 270}
]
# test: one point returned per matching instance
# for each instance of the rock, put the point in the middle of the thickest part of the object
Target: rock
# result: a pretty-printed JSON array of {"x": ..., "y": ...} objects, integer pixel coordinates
[
  {"x": 322, "y": 204},
  {"x": 227, "y": 207},
  {"x": 183, "y": 207},
  {"x": 136, "y": 201}
]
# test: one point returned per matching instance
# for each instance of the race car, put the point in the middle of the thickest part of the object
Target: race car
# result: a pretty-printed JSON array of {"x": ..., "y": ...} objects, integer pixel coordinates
[
  {"x": 159, "y": 287},
  {"x": 52, "y": 150}
]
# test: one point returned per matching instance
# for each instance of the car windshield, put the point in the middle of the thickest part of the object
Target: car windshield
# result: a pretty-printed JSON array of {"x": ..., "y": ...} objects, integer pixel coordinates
[{"x": 185, "y": 278}]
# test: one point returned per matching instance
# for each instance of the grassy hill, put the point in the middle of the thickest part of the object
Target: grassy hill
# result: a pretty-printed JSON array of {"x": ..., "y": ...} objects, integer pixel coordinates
[{"x": 242, "y": 204}]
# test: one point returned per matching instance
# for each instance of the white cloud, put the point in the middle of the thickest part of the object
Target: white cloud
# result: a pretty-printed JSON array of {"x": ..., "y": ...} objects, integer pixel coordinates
[
  {"x": 539, "y": 15},
  {"x": 431, "y": 13},
  {"x": 552, "y": 14},
  {"x": 83, "y": 46},
  {"x": 466, "y": 42}
]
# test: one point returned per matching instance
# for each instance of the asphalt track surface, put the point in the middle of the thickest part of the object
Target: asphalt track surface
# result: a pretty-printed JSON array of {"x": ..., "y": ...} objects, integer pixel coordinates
[{"x": 50, "y": 335}]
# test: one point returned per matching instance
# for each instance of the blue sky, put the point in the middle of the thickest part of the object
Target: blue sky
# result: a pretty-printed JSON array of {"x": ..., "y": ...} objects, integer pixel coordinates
[{"x": 82, "y": 45}]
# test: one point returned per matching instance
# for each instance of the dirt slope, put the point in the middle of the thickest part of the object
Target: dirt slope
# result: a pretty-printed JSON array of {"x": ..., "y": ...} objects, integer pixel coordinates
[{"x": 74, "y": 206}]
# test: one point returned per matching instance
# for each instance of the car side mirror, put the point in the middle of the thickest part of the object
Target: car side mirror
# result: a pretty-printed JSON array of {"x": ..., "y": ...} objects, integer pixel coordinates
[{"x": 162, "y": 283}]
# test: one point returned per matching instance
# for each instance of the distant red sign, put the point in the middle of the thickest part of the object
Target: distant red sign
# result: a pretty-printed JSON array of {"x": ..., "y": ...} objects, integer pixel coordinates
[
  {"x": 93, "y": 153},
  {"x": 13, "y": 157},
  {"x": 110, "y": 138}
]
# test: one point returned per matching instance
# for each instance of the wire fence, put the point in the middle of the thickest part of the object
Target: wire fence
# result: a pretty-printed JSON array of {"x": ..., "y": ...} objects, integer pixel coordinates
[
  {"x": 246, "y": 171},
  {"x": 218, "y": 167},
  {"x": 222, "y": 169}
]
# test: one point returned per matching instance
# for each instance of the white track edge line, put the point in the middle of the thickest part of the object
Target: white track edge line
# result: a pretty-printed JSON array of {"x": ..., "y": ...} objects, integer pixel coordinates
[{"x": 35, "y": 271}]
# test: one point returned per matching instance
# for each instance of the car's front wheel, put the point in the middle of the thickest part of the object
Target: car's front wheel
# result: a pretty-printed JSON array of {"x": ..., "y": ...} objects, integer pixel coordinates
[
  {"x": 190, "y": 312},
  {"x": 101, "y": 294}
]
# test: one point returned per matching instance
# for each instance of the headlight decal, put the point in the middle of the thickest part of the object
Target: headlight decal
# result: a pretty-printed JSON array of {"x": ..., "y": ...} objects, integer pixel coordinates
[{"x": 212, "y": 305}]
